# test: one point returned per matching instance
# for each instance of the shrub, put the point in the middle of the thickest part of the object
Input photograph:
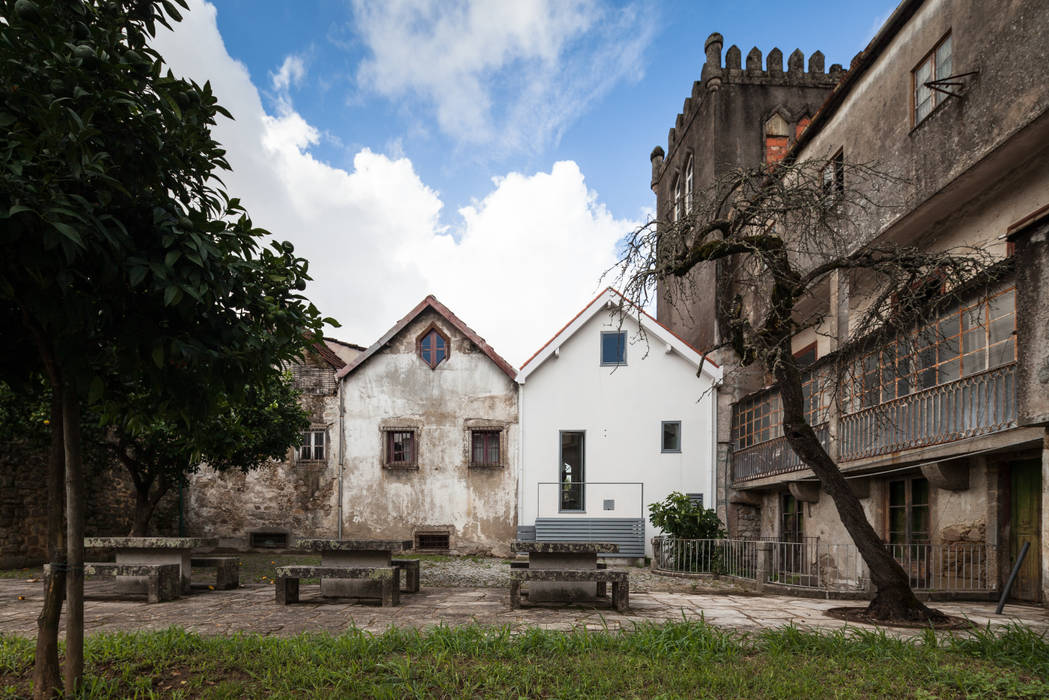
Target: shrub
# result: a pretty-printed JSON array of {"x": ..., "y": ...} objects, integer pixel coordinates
[{"x": 680, "y": 517}]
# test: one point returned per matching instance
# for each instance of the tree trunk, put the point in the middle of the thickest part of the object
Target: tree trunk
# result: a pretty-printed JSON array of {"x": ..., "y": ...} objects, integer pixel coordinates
[
  {"x": 47, "y": 674},
  {"x": 145, "y": 504},
  {"x": 74, "y": 669},
  {"x": 893, "y": 597}
]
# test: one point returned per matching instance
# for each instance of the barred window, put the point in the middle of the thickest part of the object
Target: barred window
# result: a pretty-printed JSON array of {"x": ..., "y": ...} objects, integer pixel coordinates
[
  {"x": 484, "y": 448},
  {"x": 400, "y": 448}
]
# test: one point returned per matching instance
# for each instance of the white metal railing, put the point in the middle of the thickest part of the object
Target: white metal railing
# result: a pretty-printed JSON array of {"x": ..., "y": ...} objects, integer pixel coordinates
[{"x": 932, "y": 568}]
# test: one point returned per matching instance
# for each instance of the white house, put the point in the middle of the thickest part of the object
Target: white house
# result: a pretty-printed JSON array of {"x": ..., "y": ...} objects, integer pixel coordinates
[
  {"x": 430, "y": 438},
  {"x": 616, "y": 413}
]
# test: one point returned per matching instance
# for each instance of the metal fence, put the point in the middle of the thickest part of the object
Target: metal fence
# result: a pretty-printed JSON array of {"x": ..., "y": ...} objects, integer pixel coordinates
[{"x": 811, "y": 564}]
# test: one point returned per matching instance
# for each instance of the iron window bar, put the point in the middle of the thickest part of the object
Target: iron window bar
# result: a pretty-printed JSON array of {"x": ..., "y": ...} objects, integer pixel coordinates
[{"x": 952, "y": 81}]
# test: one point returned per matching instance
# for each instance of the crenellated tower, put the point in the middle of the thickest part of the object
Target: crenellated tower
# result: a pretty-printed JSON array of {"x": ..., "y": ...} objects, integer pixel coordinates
[{"x": 738, "y": 115}]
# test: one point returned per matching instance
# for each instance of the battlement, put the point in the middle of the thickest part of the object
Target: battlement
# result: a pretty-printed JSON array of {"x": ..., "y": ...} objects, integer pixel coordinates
[{"x": 714, "y": 75}]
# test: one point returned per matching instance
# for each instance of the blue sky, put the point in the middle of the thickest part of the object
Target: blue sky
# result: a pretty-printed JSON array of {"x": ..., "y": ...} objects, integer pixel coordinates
[{"x": 488, "y": 152}]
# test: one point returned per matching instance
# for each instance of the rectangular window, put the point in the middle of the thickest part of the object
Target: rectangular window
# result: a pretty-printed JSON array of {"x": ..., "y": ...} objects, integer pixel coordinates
[
  {"x": 573, "y": 449},
  {"x": 793, "y": 523},
  {"x": 908, "y": 511},
  {"x": 833, "y": 177},
  {"x": 671, "y": 436},
  {"x": 936, "y": 65},
  {"x": 613, "y": 348},
  {"x": 313, "y": 444},
  {"x": 400, "y": 449},
  {"x": 484, "y": 448}
]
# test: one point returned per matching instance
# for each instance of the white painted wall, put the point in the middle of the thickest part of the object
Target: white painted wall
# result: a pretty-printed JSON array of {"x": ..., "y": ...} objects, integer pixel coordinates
[
  {"x": 395, "y": 387},
  {"x": 621, "y": 409}
]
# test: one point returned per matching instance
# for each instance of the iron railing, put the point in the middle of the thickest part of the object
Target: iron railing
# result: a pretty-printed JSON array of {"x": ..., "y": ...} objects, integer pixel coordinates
[
  {"x": 964, "y": 568},
  {"x": 979, "y": 404}
]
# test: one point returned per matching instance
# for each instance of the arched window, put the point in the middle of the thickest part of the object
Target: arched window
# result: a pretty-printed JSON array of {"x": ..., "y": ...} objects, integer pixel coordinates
[
  {"x": 433, "y": 348},
  {"x": 689, "y": 186}
]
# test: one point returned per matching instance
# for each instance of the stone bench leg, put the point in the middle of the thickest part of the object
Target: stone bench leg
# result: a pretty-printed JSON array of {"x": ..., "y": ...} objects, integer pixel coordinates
[
  {"x": 391, "y": 589},
  {"x": 620, "y": 595},
  {"x": 602, "y": 587},
  {"x": 227, "y": 577},
  {"x": 410, "y": 569},
  {"x": 515, "y": 594},
  {"x": 163, "y": 586},
  {"x": 287, "y": 590}
]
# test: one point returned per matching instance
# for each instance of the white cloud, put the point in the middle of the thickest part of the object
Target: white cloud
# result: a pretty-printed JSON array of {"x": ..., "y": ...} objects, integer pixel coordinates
[
  {"x": 528, "y": 254},
  {"x": 507, "y": 75},
  {"x": 290, "y": 74}
]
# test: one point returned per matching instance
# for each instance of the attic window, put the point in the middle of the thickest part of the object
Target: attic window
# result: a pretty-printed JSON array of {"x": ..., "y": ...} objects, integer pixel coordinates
[{"x": 433, "y": 347}]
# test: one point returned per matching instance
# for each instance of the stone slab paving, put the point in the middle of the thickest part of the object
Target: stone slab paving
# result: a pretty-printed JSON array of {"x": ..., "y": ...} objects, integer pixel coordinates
[{"x": 252, "y": 609}]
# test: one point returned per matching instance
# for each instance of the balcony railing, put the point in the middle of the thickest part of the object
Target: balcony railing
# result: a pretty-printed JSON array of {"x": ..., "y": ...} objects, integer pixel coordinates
[{"x": 979, "y": 404}]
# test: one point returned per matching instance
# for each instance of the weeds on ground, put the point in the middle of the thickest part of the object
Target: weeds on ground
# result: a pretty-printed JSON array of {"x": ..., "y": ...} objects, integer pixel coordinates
[{"x": 679, "y": 659}]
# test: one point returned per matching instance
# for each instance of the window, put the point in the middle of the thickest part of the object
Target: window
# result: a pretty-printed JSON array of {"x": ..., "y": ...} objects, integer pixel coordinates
[
  {"x": 793, "y": 520},
  {"x": 833, "y": 177},
  {"x": 572, "y": 470},
  {"x": 433, "y": 541},
  {"x": 936, "y": 65},
  {"x": 671, "y": 436},
  {"x": 613, "y": 348},
  {"x": 400, "y": 448},
  {"x": 908, "y": 511},
  {"x": 433, "y": 347},
  {"x": 484, "y": 448},
  {"x": 757, "y": 420},
  {"x": 313, "y": 443},
  {"x": 689, "y": 185}
]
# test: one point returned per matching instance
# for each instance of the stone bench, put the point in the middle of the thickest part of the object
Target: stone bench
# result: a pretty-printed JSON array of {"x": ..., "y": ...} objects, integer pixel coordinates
[
  {"x": 602, "y": 591},
  {"x": 227, "y": 570},
  {"x": 620, "y": 581},
  {"x": 388, "y": 578},
  {"x": 163, "y": 581},
  {"x": 410, "y": 567}
]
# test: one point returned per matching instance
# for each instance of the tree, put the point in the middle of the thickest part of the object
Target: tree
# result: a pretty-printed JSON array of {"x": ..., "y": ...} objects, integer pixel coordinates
[
  {"x": 123, "y": 254},
  {"x": 777, "y": 236},
  {"x": 241, "y": 433}
]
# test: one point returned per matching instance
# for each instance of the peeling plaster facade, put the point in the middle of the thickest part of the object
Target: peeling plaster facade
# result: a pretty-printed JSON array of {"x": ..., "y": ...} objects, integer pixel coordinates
[{"x": 441, "y": 493}]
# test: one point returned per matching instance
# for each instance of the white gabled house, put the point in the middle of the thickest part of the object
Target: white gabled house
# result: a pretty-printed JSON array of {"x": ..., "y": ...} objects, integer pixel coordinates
[{"x": 616, "y": 412}]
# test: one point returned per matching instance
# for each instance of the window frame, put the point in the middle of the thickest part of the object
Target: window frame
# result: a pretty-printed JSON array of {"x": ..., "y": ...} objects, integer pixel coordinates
[
  {"x": 601, "y": 349},
  {"x": 908, "y": 508},
  {"x": 388, "y": 433},
  {"x": 936, "y": 98},
  {"x": 832, "y": 177},
  {"x": 690, "y": 183},
  {"x": 306, "y": 451},
  {"x": 490, "y": 433},
  {"x": 676, "y": 196},
  {"x": 433, "y": 328},
  {"x": 663, "y": 449}
]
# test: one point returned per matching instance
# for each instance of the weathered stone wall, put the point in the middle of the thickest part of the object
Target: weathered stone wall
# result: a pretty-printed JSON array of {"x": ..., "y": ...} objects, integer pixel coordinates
[{"x": 109, "y": 500}]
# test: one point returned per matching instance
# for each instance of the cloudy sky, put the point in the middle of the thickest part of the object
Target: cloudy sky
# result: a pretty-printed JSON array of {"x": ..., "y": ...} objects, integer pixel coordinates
[{"x": 490, "y": 152}]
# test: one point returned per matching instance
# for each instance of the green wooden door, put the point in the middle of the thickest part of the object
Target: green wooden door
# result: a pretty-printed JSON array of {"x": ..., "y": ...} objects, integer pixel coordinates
[{"x": 1026, "y": 527}]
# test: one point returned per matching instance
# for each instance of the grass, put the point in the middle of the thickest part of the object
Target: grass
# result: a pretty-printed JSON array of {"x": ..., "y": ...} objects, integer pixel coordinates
[
  {"x": 28, "y": 572},
  {"x": 683, "y": 659}
]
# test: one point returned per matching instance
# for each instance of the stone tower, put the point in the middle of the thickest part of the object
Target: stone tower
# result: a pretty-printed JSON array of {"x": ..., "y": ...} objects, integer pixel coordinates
[{"x": 737, "y": 116}]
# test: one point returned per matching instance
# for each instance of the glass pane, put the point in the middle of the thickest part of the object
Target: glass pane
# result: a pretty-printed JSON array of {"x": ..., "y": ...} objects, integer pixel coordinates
[
  {"x": 571, "y": 470},
  {"x": 613, "y": 348},
  {"x": 478, "y": 448},
  {"x": 949, "y": 326},
  {"x": 949, "y": 371},
  {"x": 897, "y": 493},
  {"x": 1002, "y": 354},
  {"x": 493, "y": 449},
  {"x": 1001, "y": 328},
  {"x": 671, "y": 442},
  {"x": 948, "y": 349},
  {"x": 920, "y": 492},
  {"x": 897, "y": 525},
  {"x": 919, "y": 523},
  {"x": 1003, "y": 305},
  {"x": 943, "y": 59}
]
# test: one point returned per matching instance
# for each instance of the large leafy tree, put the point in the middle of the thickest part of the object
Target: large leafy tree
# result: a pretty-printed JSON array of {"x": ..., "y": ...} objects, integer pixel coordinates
[{"x": 123, "y": 255}]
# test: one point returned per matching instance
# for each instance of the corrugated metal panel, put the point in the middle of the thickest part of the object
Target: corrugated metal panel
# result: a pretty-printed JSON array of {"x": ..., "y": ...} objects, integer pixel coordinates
[
  {"x": 628, "y": 533},
  {"x": 526, "y": 533}
]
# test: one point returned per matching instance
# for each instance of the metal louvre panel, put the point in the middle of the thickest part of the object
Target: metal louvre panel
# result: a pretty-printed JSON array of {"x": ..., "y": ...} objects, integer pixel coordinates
[
  {"x": 628, "y": 533},
  {"x": 526, "y": 533}
]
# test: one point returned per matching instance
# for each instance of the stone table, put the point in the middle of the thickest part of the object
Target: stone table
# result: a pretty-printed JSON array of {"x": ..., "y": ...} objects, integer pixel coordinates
[
  {"x": 352, "y": 554},
  {"x": 562, "y": 555},
  {"x": 151, "y": 550}
]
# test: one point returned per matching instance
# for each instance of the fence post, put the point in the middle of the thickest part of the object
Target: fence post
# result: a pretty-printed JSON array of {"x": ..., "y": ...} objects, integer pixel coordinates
[{"x": 764, "y": 564}]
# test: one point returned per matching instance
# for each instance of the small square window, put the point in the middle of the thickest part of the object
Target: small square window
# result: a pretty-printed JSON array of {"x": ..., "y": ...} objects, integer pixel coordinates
[
  {"x": 484, "y": 448},
  {"x": 313, "y": 445},
  {"x": 671, "y": 436},
  {"x": 613, "y": 348},
  {"x": 400, "y": 448}
]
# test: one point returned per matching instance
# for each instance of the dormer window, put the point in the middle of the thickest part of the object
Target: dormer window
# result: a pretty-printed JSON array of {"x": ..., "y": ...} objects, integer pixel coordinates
[{"x": 433, "y": 347}]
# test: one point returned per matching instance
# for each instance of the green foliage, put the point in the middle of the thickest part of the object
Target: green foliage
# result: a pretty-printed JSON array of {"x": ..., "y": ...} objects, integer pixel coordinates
[
  {"x": 679, "y": 517},
  {"x": 677, "y": 659}
]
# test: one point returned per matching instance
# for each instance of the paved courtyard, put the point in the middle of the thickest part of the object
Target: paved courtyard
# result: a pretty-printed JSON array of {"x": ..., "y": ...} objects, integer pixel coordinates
[{"x": 252, "y": 609}]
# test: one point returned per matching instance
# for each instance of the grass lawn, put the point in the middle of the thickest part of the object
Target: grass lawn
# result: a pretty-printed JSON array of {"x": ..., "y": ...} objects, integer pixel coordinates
[{"x": 686, "y": 660}]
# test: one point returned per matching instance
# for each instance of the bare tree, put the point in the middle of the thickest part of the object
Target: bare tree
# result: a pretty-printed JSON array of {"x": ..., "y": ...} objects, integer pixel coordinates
[{"x": 777, "y": 236}]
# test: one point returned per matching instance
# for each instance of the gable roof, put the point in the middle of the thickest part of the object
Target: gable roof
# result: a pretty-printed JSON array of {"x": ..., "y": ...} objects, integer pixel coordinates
[
  {"x": 327, "y": 354},
  {"x": 650, "y": 324},
  {"x": 430, "y": 302}
]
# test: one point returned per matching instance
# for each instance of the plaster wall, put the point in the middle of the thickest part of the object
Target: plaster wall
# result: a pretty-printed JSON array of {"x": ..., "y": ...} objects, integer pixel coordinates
[
  {"x": 621, "y": 410},
  {"x": 395, "y": 388}
]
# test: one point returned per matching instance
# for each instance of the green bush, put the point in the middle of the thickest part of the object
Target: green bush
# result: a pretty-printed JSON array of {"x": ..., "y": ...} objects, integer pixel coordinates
[{"x": 680, "y": 517}]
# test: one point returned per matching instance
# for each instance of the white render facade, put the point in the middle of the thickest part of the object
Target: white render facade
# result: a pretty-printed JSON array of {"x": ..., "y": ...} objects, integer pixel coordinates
[{"x": 631, "y": 432}]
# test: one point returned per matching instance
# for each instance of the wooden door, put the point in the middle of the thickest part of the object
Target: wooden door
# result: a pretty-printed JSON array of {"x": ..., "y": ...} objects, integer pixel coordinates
[{"x": 1026, "y": 527}]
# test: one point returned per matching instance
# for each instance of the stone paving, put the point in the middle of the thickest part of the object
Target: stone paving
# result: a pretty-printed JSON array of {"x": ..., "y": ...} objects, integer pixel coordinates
[{"x": 252, "y": 609}]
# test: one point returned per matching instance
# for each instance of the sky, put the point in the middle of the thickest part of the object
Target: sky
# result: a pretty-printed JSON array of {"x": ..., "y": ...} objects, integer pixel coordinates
[{"x": 489, "y": 152}]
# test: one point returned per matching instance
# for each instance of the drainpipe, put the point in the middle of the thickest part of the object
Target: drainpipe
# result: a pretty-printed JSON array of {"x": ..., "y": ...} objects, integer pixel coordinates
[
  {"x": 520, "y": 458},
  {"x": 342, "y": 449},
  {"x": 714, "y": 386}
]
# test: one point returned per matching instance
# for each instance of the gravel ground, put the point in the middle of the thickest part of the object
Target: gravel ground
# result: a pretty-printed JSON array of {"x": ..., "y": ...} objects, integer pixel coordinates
[{"x": 475, "y": 572}]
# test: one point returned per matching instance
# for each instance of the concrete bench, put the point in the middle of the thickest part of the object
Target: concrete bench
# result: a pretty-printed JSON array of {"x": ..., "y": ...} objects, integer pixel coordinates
[
  {"x": 163, "y": 581},
  {"x": 620, "y": 581},
  {"x": 227, "y": 570},
  {"x": 410, "y": 567},
  {"x": 388, "y": 578},
  {"x": 602, "y": 591}
]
